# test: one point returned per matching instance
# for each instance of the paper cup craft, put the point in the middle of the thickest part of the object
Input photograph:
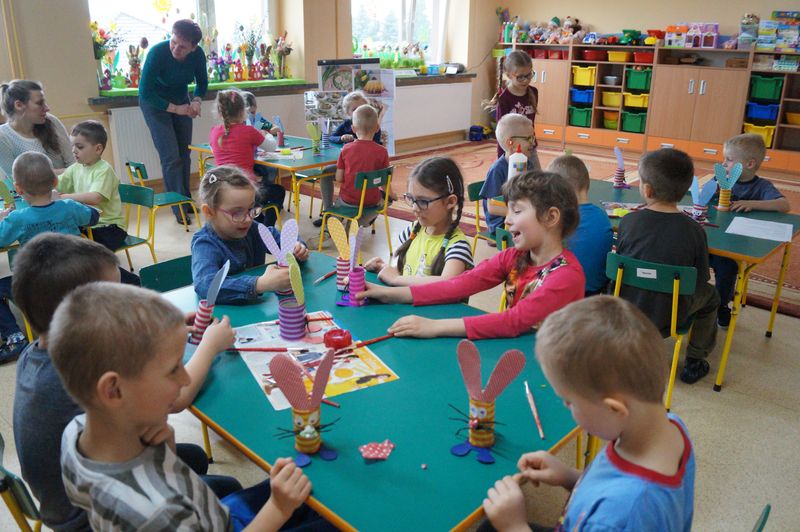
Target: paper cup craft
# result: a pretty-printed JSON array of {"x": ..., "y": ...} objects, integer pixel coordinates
[
  {"x": 291, "y": 319},
  {"x": 289, "y": 235},
  {"x": 619, "y": 173},
  {"x": 357, "y": 281},
  {"x": 202, "y": 318},
  {"x": 325, "y": 141},
  {"x": 342, "y": 273},
  {"x": 726, "y": 181},
  {"x": 701, "y": 197},
  {"x": 277, "y": 121},
  {"x": 481, "y": 419},
  {"x": 306, "y": 425},
  {"x": 315, "y": 134}
]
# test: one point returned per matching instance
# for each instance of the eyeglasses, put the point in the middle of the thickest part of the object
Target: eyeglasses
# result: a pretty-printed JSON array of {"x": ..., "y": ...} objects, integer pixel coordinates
[
  {"x": 523, "y": 77},
  {"x": 528, "y": 139},
  {"x": 241, "y": 215},
  {"x": 421, "y": 204}
]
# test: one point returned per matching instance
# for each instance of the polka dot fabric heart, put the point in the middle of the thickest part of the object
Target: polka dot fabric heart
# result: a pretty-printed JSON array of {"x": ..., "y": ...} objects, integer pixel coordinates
[{"x": 377, "y": 451}]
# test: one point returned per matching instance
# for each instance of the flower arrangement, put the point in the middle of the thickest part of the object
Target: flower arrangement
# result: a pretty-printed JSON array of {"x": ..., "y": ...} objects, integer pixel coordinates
[
  {"x": 249, "y": 37},
  {"x": 281, "y": 49},
  {"x": 104, "y": 40}
]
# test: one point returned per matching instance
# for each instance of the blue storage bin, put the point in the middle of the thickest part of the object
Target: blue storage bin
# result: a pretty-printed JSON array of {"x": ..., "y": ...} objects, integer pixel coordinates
[
  {"x": 761, "y": 111},
  {"x": 582, "y": 96}
]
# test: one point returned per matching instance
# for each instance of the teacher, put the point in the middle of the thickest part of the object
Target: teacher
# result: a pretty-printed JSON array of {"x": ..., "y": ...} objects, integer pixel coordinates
[
  {"x": 31, "y": 127},
  {"x": 163, "y": 97}
]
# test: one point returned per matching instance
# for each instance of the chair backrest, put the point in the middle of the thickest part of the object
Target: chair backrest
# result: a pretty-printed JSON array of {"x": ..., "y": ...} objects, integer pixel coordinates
[
  {"x": 137, "y": 172},
  {"x": 374, "y": 179},
  {"x": 168, "y": 275},
  {"x": 651, "y": 275},
  {"x": 136, "y": 195},
  {"x": 474, "y": 191},
  {"x": 16, "y": 487},
  {"x": 762, "y": 519},
  {"x": 503, "y": 239}
]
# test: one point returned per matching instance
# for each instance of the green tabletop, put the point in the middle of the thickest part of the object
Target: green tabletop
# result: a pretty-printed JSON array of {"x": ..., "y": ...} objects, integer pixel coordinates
[
  {"x": 309, "y": 160},
  {"x": 748, "y": 249},
  {"x": 413, "y": 412}
]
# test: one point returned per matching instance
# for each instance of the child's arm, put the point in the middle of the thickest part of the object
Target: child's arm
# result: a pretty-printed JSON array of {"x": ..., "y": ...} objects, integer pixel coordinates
[
  {"x": 206, "y": 262},
  {"x": 779, "y": 205},
  {"x": 87, "y": 198},
  {"x": 290, "y": 487},
  {"x": 339, "y": 175},
  {"x": 268, "y": 142},
  {"x": 452, "y": 268},
  {"x": 541, "y": 466},
  {"x": 9, "y": 231},
  {"x": 218, "y": 337},
  {"x": 505, "y": 505}
]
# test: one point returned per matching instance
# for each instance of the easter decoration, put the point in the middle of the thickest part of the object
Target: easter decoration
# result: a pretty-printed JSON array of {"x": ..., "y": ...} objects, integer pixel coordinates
[
  {"x": 289, "y": 235},
  {"x": 701, "y": 197},
  {"x": 202, "y": 318},
  {"x": 356, "y": 274},
  {"x": 619, "y": 173},
  {"x": 726, "y": 181},
  {"x": 292, "y": 310},
  {"x": 339, "y": 237}
]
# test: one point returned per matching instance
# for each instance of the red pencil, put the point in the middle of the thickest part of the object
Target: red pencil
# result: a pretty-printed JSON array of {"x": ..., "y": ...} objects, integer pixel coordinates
[
  {"x": 270, "y": 349},
  {"x": 326, "y": 276}
]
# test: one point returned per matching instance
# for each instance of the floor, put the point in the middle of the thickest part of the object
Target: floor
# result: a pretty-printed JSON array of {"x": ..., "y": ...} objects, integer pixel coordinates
[{"x": 745, "y": 437}]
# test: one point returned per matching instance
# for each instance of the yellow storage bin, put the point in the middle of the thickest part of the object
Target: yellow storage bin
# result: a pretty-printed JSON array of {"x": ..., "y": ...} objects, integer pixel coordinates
[
  {"x": 765, "y": 131},
  {"x": 636, "y": 100},
  {"x": 584, "y": 76},
  {"x": 620, "y": 57},
  {"x": 612, "y": 99}
]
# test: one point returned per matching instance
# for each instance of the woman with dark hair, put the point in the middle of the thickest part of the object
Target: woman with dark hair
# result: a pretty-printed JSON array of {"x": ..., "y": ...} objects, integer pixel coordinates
[
  {"x": 163, "y": 97},
  {"x": 30, "y": 126}
]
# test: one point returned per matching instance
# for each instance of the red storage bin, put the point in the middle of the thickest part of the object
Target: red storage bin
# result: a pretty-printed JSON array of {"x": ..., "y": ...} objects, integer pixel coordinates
[
  {"x": 555, "y": 54},
  {"x": 595, "y": 55},
  {"x": 540, "y": 54},
  {"x": 643, "y": 57}
]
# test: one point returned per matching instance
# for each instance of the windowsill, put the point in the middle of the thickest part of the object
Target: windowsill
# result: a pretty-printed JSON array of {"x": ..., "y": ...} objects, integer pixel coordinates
[{"x": 405, "y": 81}]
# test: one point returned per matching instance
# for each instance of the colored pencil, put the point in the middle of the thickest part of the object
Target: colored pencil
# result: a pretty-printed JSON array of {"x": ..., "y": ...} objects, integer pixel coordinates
[
  {"x": 270, "y": 349},
  {"x": 326, "y": 276},
  {"x": 374, "y": 340},
  {"x": 534, "y": 410}
]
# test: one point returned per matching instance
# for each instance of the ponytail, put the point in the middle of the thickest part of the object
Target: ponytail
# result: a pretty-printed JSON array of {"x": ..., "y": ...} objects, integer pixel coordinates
[{"x": 230, "y": 105}]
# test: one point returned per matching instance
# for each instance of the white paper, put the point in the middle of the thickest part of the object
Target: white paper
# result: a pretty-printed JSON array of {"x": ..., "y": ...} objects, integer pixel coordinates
[{"x": 776, "y": 231}]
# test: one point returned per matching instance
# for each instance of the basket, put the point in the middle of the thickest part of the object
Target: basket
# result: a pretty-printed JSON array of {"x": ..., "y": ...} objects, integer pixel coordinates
[
  {"x": 610, "y": 119},
  {"x": 638, "y": 79},
  {"x": 636, "y": 100},
  {"x": 765, "y": 88},
  {"x": 556, "y": 54},
  {"x": 757, "y": 111},
  {"x": 595, "y": 55},
  {"x": 643, "y": 57},
  {"x": 579, "y": 116},
  {"x": 612, "y": 99},
  {"x": 583, "y": 76},
  {"x": 578, "y": 96},
  {"x": 766, "y": 132},
  {"x": 793, "y": 118},
  {"x": 540, "y": 54},
  {"x": 633, "y": 122},
  {"x": 620, "y": 57}
]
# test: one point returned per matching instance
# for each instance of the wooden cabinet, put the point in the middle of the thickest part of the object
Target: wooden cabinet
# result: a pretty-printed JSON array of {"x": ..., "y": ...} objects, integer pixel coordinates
[
  {"x": 585, "y": 135},
  {"x": 626, "y": 141},
  {"x": 777, "y": 160},
  {"x": 551, "y": 79},
  {"x": 548, "y": 132},
  {"x": 656, "y": 143},
  {"x": 697, "y": 103}
]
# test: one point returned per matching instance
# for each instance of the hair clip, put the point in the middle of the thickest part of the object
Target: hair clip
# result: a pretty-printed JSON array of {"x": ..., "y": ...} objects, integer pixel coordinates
[
  {"x": 212, "y": 178},
  {"x": 232, "y": 95},
  {"x": 449, "y": 184}
]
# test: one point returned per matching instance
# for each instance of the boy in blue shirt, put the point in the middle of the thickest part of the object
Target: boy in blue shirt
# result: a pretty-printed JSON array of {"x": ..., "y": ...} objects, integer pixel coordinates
[
  {"x": 605, "y": 360},
  {"x": 750, "y": 193},
  {"x": 592, "y": 240},
  {"x": 34, "y": 180}
]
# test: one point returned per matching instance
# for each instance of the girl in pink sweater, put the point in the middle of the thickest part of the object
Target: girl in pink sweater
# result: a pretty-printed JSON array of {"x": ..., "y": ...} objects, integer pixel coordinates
[{"x": 540, "y": 276}]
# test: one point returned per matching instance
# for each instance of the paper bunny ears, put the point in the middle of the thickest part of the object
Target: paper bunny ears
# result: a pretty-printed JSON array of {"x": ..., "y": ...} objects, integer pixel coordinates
[
  {"x": 289, "y": 235},
  {"x": 289, "y": 377},
  {"x": 508, "y": 367},
  {"x": 702, "y": 196},
  {"x": 727, "y": 180},
  {"x": 348, "y": 247}
]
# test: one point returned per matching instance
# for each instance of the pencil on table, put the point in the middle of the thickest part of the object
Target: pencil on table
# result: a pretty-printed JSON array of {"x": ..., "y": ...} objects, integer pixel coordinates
[
  {"x": 534, "y": 410},
  {"x": 326, "y": 276}
]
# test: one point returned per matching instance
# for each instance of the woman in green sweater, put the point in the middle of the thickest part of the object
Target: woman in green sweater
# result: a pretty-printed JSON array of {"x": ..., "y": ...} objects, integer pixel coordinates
[{"x": 164, "y": 99}]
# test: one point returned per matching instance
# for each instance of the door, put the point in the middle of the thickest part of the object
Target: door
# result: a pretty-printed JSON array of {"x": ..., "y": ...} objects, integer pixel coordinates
[
  {"x": 719, "y": 110},
  {"x": 551, "y": 78},
  {"x": 672, "y": 102}
]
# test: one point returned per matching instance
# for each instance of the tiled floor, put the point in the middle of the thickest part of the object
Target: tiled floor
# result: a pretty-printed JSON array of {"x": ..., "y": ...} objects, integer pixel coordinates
[{"x": 746, "y": 437}]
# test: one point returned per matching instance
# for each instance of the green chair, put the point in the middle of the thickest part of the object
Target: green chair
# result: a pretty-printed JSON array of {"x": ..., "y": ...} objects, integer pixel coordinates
[
  {"x": 761, "y": 522},
  {"x": 141, "y": 197},
  {"x": 137, "y": 173},
  {"x": 311, "y": 176},
  {"x": 364, "y": 181},
  {"x": 168, "y": 275},
  {"x": 503, "y": 240},
  {"x": 474, "y": 195},
  {"x": 662, "y": 278},
  {"x": 17, "y": 497}
]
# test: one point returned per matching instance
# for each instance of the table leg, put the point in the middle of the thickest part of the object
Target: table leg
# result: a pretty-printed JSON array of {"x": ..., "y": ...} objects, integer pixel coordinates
[
  {"x": 296, "y": 195},
  {"x": 784, "y": 266},
  {"x": 741, "y": 277}
]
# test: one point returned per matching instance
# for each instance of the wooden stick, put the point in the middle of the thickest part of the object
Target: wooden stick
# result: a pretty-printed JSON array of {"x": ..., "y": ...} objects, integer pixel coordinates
[{"x": 534, "y": 410}]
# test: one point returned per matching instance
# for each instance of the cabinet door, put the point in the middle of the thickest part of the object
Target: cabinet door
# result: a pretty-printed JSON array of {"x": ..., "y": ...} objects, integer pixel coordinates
[
  {"x": 720, "y": 103},
  {"x": 672, "y": 101},
  {"x": 552, "y": 80}
]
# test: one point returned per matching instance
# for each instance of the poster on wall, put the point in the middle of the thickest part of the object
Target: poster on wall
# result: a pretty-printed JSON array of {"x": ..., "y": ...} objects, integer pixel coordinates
[{"x": 338, "y": 77}]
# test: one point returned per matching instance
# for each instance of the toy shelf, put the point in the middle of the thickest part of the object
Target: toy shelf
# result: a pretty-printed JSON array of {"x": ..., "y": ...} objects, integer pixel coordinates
[{"x": 626, "y": 63}]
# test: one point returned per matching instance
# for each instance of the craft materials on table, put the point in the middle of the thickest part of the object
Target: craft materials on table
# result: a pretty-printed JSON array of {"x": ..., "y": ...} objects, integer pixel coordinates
[
  {"x": 777, "y": 231},
  {"x": 202, "y": 318},
  {"x": 534, "y": 410},
  {"x": 377, "y": 451},
  {"x": 481, "y": 419},
  {"x": 339, "y": 237},
  {"x": 355, "y": 366},
  {"x": 356, "y": 275},
  {"x": 701, "y": 197},
  {"x": 619, "y": 173},
  {"x": 289, "y": 239},
  {"x": 726, "y": 181}
]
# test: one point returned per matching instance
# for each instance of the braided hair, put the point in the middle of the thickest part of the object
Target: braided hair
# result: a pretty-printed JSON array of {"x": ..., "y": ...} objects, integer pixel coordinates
[
  {"x": 230, "y": 106},
  {"x": 442, "y": 175},
  {"x": 20, "y": 90}
]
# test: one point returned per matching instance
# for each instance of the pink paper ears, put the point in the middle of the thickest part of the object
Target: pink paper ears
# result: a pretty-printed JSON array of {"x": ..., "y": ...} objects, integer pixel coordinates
[
  {"x": 508, "y": 367},
  {"x": 288, "y": 376}
]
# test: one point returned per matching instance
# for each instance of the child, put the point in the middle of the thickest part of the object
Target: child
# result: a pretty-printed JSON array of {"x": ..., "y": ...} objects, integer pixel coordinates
[
  {"x": 228, "y": 199},
  {"x": 518, "y": 97},
  {"x": 592, "y": 240},
  {"x": 749, "y": 193},
  {"x": 125, "y": 368},
  {"x": 606, "y": 362},
  {"x": 54, "y": 264},
  {"x": 662, "y": 233},
  {"x": 254, "y": 118},
  {"x": 540, "y": 276},
  {"x": 434, "y": 247},
  {"x": 34, "y": 179},
  {"x": 235, "y": 143},
  {"x": 513, "y": 130}
]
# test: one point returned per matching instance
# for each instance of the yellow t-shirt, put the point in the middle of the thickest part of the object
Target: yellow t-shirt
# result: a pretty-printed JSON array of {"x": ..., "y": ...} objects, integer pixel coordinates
[
  {"x": 424, "y": 248},
  {"x": 100, "y": 178}
]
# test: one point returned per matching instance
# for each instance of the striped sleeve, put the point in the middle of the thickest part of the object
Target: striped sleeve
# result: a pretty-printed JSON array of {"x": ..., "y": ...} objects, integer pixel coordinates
[{"x": 460, "y": 250}]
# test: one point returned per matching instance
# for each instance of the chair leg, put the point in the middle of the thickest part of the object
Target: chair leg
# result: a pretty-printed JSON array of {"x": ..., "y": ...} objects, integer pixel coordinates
[
  {"x": 676, "y": 353},
  {"x": 474, "y": 243},
  {"x": 322, "y": 231},
  {"x": 183, "y": 217},
  {"x": 196, "y": 216},
  {"x": 311, "y": 199},
  {"x": 207, "y": 443},
  {"x": 16, "y": 511},
  {"x": 130, "y": 263},
  {"x": 388, "y": 233},
  {"x": 28, "y": 331}
]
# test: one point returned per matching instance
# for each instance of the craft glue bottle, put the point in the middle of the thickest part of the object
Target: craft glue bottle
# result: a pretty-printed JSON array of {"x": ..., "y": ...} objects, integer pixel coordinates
[{"x": 517, "y": 163}]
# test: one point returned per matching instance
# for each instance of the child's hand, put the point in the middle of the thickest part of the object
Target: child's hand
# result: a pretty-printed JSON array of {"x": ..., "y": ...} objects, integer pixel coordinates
[
  {"x": 55, "y": 195},
  {"x": 374, "y": 265},
  {"x": 273, "y": 279},
  {"x": 415, "y": 326},
  {"x": 505, "y": 505},
  {"x": 347, "y": 138},
  {"x": 541, "y": 466},
  {"x": 188, "y": 320},
  {"x": 300, "y": 252},
  {"x": 290, "y": 487},
  {"x": 157, "y": 435},
  {"x": 741, "y": 206},
  {"x": 219, "y": 335},
  {"x": 386, "y": 294},
  {"x": 274, "y": 130},
  {"x": 389, "y": 274}
]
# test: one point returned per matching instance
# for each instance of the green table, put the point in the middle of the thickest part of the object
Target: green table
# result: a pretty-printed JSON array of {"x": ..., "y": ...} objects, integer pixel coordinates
[
  {"x": 309, "y": 161},
  {"x": 413, "y": 412},
  {"x": 748, "y": 252}
]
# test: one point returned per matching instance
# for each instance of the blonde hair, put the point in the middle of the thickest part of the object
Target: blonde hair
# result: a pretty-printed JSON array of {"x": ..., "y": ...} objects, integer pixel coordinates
[
  {"x": 365, "y": 118},
  {"x": 216, "y": 179},
  {"x": 127, "y": 327},
  {"x": 510, "y": 125},
  {"x": 34, "y": 172},
  {"x": 573, "y": 170},
  {"x": 603, "y": 345},
  {"x": 354, "y": 96},
  {"x": 230, "y": 106},
  {"x": 746, "y": 147}
]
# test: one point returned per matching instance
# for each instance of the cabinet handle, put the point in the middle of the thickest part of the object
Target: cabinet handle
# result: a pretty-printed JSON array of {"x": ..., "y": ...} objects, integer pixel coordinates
[
  {"x": 691, "y": 86},
  {"x": 549, "y": 131},
  {"x": 623, "y": 140},
  {"x": 544, "y": 76},
  {"x": 583, "y": 136},
  {"x": 702, "y": 87},
  {"x": 767, "y": 158},
  {"x": 667, "y": 145},
  {"x": 710, "y": 151}
]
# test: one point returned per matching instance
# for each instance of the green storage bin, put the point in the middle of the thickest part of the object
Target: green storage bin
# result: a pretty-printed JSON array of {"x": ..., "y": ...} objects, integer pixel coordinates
[
  {"x": 580, "y": 116},
  {"x": 638, "y": 79},
  {"x": 633, "y": 122},
  {"x": 766, "y": 88}
]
